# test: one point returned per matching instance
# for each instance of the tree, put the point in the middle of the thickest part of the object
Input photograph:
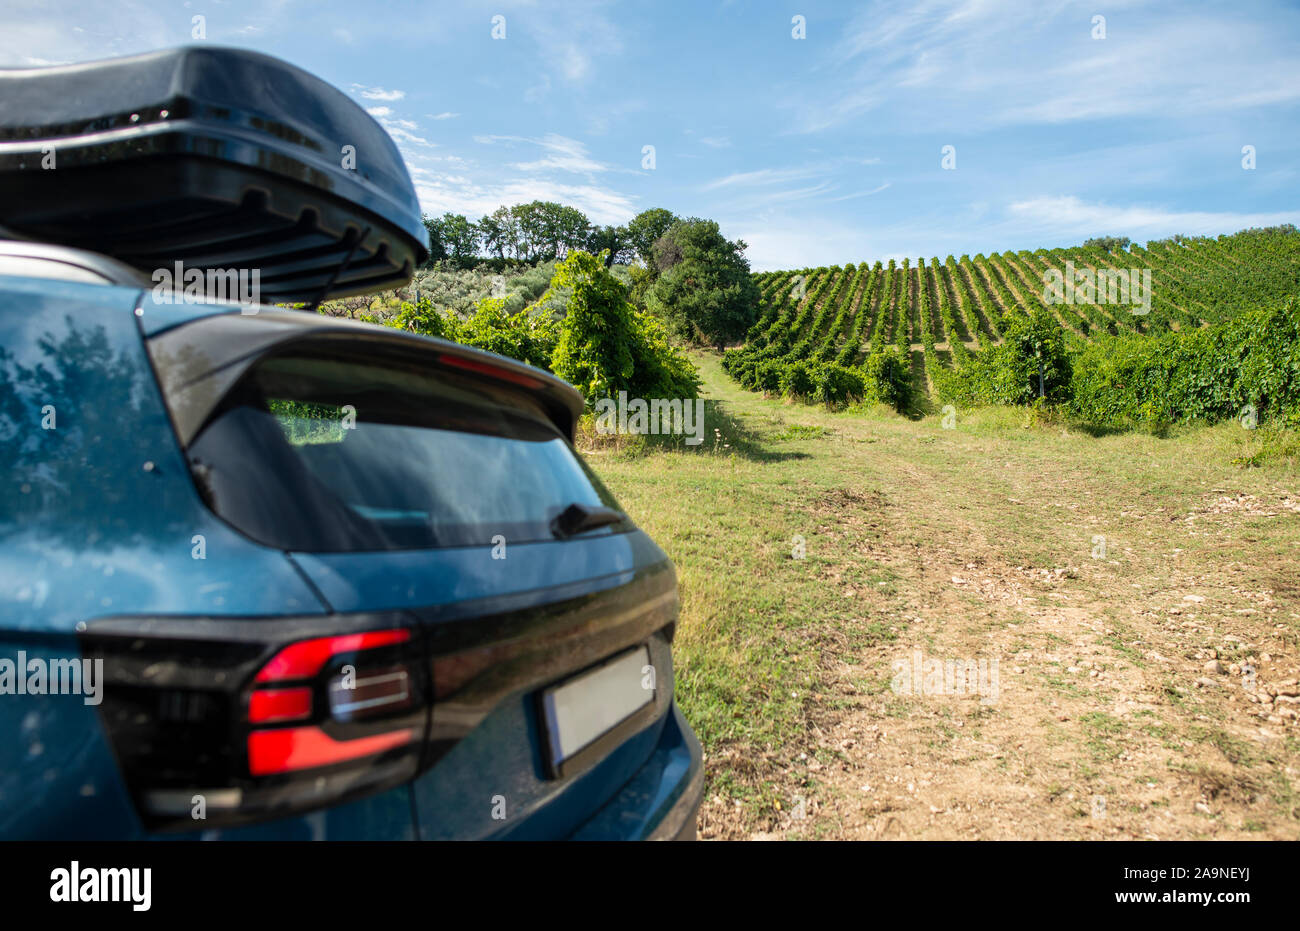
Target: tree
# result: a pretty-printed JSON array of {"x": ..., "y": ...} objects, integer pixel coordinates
[
  {"x": 615, "y": 241},
  {"x": 500, "y": 232},
  {"x": 460, "y": 239},
  {"x": 437, "y": 246},
  {"x": 704, "y": 291},
  {"x": 548, "y": 230},
  {"x": 1107, "y": 243},
  {"x": 534, "y": 221},
  {"x": 529, "y": 338},
  {"x": 645, "y": 229},
  {"x": 569, "y": 229},
  {"x": 665, "y": 253}
]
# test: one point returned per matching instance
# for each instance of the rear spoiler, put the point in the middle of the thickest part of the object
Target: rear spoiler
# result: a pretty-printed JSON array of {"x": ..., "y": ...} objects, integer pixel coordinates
[{"x": 197, "y": 363}]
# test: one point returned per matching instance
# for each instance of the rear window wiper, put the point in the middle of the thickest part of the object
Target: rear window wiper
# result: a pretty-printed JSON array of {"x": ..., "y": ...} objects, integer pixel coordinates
[{"x": 579, "y": 518}]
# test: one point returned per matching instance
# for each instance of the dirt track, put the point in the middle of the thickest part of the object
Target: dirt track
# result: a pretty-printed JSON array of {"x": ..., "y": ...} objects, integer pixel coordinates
[{"x": 1147, "y": 690}]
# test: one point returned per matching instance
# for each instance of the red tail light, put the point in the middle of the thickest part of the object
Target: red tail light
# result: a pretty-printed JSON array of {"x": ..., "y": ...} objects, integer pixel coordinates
[
  {"x": 351, "y": 695},
  {"x": 304, "y": 659},
  {"x": 271, "y": 706},
  {"x": 260, "y": 718},
  {"x": 295, "y": 748}
]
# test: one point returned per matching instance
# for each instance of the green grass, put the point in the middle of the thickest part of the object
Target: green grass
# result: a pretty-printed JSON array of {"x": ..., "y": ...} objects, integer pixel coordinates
[
  {"x": 878, "y": 499},
  {"x": 758, "y": 619}
]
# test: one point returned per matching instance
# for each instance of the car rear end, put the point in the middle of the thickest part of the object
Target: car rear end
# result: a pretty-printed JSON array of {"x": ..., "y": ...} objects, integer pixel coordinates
[
  {"x": 479, "y": 644},
  {"x": 344, "y": 581}
]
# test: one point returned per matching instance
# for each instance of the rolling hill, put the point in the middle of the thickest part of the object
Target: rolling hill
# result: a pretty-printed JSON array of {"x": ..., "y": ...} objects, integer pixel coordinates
[{"x": 941, "y": 316}]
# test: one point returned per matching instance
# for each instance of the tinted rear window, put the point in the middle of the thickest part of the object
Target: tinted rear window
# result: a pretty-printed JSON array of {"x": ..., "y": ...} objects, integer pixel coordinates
[{"x": 326, "y": 455}]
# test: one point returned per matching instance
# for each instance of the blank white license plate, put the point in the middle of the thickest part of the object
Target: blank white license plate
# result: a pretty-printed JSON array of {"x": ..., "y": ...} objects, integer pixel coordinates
[{"x": 585, "y": 707}]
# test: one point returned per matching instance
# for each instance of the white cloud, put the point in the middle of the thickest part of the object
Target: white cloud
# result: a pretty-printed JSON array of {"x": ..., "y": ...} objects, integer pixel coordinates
[
  {"x": 36, "y": 33},
  {"x": 753, "y": 190},
  {"x": 784, "y": 242},
  {"x": 780, "y": 241},
  {"x": 977, "y": 62},
  {"x": 570, "y": 44},
  {"x": 440, "y": 193},
  {"x": 445, "y": 116},
  {"x": 574, "y": 63},
  {"x": 559, "y": 153},
  {"x": 1070, "y": 216},
  {"x": 762, "y": 176},
  {"x": 874, "y": 190},
  {"x": 853, "y": 104},
  {"x": 453, "y": 184},
  {"x": 378, "y": 93},
  {"x": 562, "y": 154},
  {"x": 538, "y": 90},
  {"x": 400, "y": 130}
]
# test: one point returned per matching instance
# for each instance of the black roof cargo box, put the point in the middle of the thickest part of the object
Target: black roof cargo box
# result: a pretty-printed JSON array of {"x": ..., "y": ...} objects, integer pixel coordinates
[{"x": 216, "y": 158}]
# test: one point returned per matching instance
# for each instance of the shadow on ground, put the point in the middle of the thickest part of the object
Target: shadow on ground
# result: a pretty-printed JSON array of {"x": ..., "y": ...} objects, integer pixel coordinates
[
  {"x": 920, "y": 404},
  {"x": 724, "y": 434}
]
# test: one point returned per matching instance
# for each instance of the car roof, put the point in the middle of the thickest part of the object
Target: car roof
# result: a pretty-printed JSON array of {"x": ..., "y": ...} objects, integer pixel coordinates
[
  {"x": 25, "y": 259},
  {"x": 29, "y": 259}
]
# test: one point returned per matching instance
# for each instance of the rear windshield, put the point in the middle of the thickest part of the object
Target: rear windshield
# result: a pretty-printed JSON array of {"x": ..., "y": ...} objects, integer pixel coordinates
[{"x": 327, "y": 455}]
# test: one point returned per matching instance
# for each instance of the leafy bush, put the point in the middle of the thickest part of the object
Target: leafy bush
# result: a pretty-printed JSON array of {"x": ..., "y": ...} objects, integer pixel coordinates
[
  {"x": 1009, "y": 373},
  {"x": 795, "y": 380},
  {"x": 887, "y": 378},
  {"x": 767, "y": 377},
  {"x": 605, "y": 345},
  {"x": 640, "y": 280},
  {"x": 601, "y": 344},
  {"x": 1108, "y": 243},
  {"x": 1205, "y": 374},
  {"x": 740, "y": 368},
  {"x": 456, "y": 290},
  {"x": 747, "y": 374},
  {"x": 1208, "y": 356},
  {"x": 837, "y": 384},
  {"x": 1032, "y": 356},
  {"x": 659, "y": 370},
  {"x": 423, "y": 318},
  {"x": 528, "y": 337},
  {"x": 884, "y": 376}
]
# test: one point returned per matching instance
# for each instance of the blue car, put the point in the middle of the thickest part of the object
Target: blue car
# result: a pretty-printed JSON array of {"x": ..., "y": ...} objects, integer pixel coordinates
[{"x": 266, "y": 574}]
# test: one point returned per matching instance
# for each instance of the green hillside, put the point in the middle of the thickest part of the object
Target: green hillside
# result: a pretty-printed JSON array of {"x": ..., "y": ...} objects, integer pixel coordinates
[{"x": 929, "y": 322}]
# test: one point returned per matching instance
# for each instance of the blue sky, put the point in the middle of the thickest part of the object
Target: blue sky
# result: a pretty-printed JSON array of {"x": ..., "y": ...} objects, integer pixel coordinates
[{"x": 821, "y": 150}]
